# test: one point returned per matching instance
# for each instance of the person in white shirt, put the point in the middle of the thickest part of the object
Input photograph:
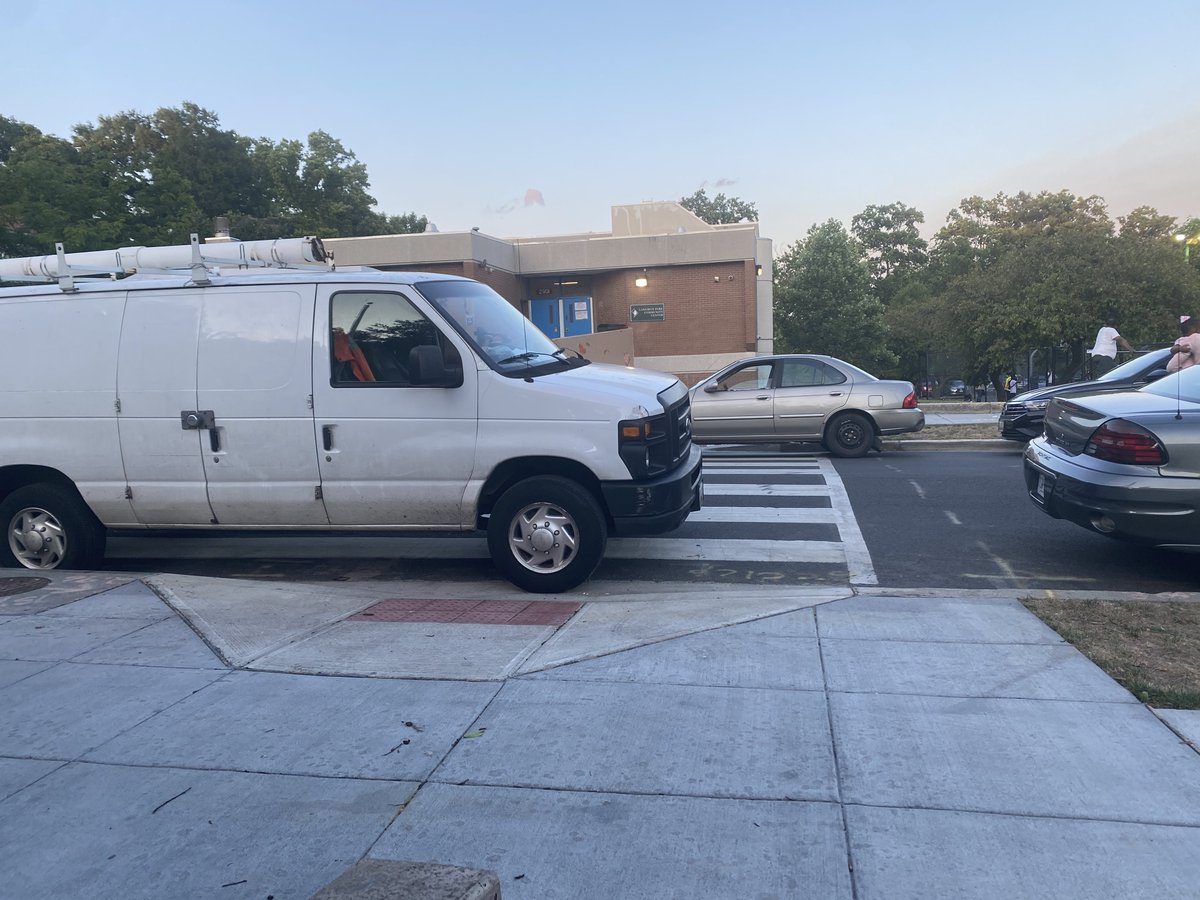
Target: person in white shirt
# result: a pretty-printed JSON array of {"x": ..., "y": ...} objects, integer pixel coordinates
[{"x": 1104, "y": 351}]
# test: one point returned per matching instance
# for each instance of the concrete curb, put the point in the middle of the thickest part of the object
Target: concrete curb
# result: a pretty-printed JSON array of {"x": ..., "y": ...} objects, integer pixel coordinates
[{"x": 957, "y": 444}]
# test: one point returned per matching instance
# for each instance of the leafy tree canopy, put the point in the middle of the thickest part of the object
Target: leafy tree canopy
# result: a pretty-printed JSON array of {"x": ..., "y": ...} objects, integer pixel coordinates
[
  {"x": 1033, "y": 271},
  {"x": 153, "y": 179},
  {"x": 890, "y": 237},
  {"x": 719, "y": 210},
  {"x": 823, "y": 300}
]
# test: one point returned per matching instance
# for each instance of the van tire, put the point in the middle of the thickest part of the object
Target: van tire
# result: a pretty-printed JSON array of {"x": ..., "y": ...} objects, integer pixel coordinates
[
  {"x": 70, "y": 535},
  {"x": 546, "y": 534},
  {"x": 849, "y": 435}
]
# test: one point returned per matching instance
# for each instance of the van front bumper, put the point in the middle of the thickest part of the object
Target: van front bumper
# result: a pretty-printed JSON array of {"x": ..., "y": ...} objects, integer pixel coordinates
[{"x": 656, "y": 504}]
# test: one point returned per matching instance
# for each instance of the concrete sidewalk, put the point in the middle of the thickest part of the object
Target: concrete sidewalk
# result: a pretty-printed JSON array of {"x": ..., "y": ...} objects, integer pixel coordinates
[{"x": 193, "y": 737}]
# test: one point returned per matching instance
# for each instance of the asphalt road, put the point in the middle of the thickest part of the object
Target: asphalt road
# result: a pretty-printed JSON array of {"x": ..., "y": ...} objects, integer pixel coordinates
[
  {"x": 927, "y": 519},
  {"x": 947, "y": 519}
]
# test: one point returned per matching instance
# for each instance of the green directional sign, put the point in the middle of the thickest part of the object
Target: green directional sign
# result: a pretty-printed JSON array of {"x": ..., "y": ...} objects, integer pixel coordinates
[{"x": 647, "y": 312}]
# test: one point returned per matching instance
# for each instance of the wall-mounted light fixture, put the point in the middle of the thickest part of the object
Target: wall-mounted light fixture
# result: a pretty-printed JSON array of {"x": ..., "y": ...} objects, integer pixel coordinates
[
  {"x": 641, "y": 280},
  {"x": 758, "y": 270},
  {"x": 716, "y": 278}
]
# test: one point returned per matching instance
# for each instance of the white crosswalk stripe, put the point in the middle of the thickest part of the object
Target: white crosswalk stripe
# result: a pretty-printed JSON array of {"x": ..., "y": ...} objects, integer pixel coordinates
[{"x": 851, "y": 549}]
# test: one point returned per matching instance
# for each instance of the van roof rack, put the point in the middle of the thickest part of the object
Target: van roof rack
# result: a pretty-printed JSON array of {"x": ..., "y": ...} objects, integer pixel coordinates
[{"x": 200, "y": 259}]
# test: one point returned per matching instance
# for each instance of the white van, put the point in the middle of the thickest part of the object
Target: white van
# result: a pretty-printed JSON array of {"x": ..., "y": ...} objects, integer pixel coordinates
[{"x": 238, "y": 394}]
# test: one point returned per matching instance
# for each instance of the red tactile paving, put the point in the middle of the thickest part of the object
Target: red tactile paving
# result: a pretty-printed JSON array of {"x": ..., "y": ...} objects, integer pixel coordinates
[{"x": 470, "y": 612}]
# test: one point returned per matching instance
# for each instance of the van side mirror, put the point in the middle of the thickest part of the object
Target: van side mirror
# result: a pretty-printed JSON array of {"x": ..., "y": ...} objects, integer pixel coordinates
[{"x": 427, "y": 368}]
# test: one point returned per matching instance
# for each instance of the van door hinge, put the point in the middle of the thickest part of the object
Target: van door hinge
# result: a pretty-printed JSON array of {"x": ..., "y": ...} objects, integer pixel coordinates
[
  {"x": 117, "y": 405},
  {"x": 310, "y": 401},
  {"x": 317, "y": 494},
  {"x": 128, "y": 492}
]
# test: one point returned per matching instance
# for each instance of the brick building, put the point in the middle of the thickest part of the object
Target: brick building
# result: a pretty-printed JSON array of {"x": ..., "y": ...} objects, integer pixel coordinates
[{"x": 690, "y": 297}]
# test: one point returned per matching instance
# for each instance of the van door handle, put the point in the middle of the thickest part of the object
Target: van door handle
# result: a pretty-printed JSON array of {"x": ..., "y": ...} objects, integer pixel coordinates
[
  {"x": 197, "y": 419},
  {"x": 327, "y": 437},
  {"x": 214, "y": 439}
]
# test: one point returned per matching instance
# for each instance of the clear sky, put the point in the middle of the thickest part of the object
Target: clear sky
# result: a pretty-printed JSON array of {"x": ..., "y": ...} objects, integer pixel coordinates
[{"x": 527, "y": 118}]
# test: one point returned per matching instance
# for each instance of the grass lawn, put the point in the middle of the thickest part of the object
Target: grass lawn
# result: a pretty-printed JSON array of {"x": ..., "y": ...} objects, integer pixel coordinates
[
  {"x": 982, "y": 431},
  {"x": 1151, "y": 647}
]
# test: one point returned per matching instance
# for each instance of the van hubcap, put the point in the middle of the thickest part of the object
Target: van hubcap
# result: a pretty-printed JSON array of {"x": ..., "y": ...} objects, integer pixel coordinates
[
  {"x": 37, "y": 539},
  {"x": 542, "y": 537}
]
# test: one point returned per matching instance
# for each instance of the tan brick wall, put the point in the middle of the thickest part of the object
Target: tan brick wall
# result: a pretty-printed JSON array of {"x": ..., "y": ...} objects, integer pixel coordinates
[
  {"x": 708, "y": 308},
  {"x": 507, "y": 285}
]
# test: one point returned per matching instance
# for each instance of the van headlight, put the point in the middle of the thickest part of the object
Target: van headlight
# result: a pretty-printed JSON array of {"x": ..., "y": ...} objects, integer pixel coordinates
[{"x": 644, "y": 446}]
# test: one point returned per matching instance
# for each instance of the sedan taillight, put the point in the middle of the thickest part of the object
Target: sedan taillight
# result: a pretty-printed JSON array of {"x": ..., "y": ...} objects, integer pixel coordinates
[
  {"x": 910, "y": 402},
  {"x": 1124, "y": 442}
]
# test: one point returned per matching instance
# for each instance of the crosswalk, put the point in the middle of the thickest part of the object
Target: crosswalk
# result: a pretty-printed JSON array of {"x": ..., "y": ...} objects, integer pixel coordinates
[
  {"x": 766, "y": 520},
  {"x": 754, "y": 512}
]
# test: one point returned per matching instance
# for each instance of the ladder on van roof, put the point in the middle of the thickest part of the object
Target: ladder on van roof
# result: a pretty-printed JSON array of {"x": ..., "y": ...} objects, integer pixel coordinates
[{"x": 199, "y": 259}]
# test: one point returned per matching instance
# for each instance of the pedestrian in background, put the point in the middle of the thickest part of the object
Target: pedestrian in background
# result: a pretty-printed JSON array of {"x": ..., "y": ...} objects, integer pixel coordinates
[
  {"x": 1186, "y": 351},
  {"x": 1104, "y": 351}
]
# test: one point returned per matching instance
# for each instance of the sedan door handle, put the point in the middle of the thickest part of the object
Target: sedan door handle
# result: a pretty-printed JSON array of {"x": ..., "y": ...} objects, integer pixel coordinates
[
  {"x": 763, "y": 397},
  {"x": 835, "y": 393}
]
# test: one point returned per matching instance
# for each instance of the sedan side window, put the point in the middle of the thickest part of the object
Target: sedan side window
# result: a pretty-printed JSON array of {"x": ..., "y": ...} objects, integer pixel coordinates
[
  {"x": 809, "y": 372},
  {"x": 749, "y": 378}
]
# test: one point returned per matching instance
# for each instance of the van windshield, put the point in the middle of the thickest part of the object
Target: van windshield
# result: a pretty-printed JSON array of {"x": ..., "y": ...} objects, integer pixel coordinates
[{"x": 507, "y": 340}]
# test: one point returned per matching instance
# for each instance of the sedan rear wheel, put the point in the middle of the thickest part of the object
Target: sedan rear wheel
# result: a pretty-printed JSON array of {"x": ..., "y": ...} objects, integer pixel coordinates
[{"x": 849, "y": 435}]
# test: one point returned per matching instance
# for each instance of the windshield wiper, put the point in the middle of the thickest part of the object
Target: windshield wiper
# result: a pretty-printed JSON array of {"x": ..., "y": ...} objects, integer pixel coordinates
[{"x": 531, "y": 354}]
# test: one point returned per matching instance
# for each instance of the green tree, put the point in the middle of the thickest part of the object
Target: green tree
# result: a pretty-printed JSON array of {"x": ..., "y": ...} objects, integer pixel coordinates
[
  {"x": 155, "y": 179},
  {"x": 823, "y": 301},
  {"x": 1014, "y": 274},
  {"x": 894, "y": 246},
  {"x": 719, "y": 210}
]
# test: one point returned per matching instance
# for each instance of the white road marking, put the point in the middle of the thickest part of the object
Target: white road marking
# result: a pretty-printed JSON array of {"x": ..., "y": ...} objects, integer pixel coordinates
[
  {"x": 954, "y": 520},
  {"x": 751, "y": 514},
  {"x": 920, "y": 490},
  {"x": 858, "y": 557},
  {"x": 765, "y": 490},
  {"x": 731, "y": 550}
]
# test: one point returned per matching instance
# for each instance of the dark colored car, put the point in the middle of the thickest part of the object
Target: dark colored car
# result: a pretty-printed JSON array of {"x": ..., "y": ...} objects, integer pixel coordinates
[
  {"x": 1021, "y": 418},
  {"x": 1124, "y": 464}
]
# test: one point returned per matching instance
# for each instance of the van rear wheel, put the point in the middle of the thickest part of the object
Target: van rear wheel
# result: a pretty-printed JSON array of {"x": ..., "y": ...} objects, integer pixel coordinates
[
  {"x": 546, "y": 534},
  {"x": 48, "y": 526}
]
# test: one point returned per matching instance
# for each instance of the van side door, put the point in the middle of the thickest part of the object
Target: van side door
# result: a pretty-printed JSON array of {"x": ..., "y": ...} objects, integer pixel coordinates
[
  {"x": 394, "y": 449},
  {"x": 156, "y": 385},
  {"x": 254, "y": 396}
]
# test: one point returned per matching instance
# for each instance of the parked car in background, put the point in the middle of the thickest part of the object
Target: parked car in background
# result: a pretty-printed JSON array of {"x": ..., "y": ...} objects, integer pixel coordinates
[
  {"x": 1124, "y": 464},
  {"x": 956, "y": 389},
  {"x": 768, "y": 399},
  {"x": 1021, "y": 418}
]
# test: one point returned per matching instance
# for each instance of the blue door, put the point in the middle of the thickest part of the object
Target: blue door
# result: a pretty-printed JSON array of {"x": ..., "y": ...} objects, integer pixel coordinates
[
  {"x": 544, "y": 313},
  {"x": 577, "y": 315}
]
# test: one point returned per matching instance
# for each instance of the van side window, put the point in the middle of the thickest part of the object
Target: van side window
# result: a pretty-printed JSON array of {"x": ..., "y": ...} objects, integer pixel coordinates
[{"x": 373, "y": 335}]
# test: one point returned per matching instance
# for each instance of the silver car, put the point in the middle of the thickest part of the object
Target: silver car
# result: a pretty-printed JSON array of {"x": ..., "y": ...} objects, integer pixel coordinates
[
  {"x": 1126, "y": 465},
  {"x": 772, "y": 399}
]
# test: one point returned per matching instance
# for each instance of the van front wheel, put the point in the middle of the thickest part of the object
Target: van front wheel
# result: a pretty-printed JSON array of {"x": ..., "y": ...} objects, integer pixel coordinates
[
  {"x": 48, "y": 526},
  {"x": 547, "y": 534}
]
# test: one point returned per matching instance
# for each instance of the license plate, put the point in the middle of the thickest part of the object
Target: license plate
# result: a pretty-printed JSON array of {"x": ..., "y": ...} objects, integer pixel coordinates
[{"x": 1044, "y": 488}]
